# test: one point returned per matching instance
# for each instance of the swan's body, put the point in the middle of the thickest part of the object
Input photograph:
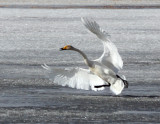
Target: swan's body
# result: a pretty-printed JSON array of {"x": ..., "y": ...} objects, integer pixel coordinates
[
  {"x": 96, "y": 67},
  {"x": 102, "y": 72}
]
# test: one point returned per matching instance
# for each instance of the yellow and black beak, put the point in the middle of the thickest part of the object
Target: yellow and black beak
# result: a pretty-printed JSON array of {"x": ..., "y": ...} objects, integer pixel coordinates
[
  {"x": 65, "y": 48},
  {"x": 62, "y": 49}
]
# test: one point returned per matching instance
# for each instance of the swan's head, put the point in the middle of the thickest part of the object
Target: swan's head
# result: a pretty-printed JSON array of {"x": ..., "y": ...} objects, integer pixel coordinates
[{"x": 68, "y": 47}]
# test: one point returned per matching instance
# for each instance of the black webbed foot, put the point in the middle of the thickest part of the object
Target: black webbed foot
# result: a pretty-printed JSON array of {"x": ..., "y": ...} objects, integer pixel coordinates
[{"x": 99, "y": 86}]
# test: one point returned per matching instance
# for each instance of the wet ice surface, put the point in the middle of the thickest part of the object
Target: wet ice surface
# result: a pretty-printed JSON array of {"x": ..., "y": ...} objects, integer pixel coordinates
[{"x": 31, "y": 37}]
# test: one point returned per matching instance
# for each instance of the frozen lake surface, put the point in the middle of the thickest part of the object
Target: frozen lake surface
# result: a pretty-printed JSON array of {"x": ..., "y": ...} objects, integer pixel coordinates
[{"x": 31, "y": 37}]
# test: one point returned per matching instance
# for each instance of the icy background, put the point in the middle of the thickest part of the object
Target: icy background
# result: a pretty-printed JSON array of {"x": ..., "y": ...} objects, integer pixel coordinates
[{"x": 31, "y": 37}]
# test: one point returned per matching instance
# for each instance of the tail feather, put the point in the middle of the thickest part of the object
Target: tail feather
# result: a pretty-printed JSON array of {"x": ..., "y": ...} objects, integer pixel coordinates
[{"x": 117, "y": 87}]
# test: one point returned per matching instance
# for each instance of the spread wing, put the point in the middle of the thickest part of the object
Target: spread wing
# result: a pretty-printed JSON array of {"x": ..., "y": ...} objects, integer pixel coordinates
[
  {"x": 75, "y": 78},
  {"x": 110, "y": 56}
]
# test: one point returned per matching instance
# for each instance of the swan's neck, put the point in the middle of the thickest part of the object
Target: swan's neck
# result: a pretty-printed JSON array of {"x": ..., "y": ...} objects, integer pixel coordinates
[{"x": 86, "y": 60}]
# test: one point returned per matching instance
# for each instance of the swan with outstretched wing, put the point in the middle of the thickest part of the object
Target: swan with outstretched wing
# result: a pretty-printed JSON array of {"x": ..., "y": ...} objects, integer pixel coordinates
[{"x": 101, "y": 73}]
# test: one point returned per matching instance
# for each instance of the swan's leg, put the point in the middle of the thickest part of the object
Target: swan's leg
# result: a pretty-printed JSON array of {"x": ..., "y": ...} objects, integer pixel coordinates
[
  {"x": 124, "y": 81},
  {"x": 99, "y": 86}
]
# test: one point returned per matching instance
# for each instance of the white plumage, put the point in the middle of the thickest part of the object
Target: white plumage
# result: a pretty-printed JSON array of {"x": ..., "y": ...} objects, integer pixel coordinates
[
  {"x": 102, "y": 72},
  {"x": 76, "y": 78},
  {"x": 110, "y": 56}
]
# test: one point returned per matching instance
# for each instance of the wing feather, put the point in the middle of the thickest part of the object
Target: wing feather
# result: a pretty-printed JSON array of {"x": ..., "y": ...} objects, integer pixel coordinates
[
  {"x": 75, "y": 78},
  {"x": 110, "y": 56},
  {"x": 95, "y": 28}
]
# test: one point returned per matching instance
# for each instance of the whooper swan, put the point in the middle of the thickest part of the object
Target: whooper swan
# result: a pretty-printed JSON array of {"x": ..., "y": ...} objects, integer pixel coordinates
[{"x": 102, "y": 72}]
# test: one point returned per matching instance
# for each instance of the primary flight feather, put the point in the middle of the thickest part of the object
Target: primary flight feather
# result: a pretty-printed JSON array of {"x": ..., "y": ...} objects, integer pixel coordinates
[{"x": 110, "y": 56}]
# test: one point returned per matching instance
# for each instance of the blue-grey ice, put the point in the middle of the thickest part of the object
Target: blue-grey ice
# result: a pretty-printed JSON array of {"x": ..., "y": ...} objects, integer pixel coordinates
[{"x": 31, "y": 37}]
